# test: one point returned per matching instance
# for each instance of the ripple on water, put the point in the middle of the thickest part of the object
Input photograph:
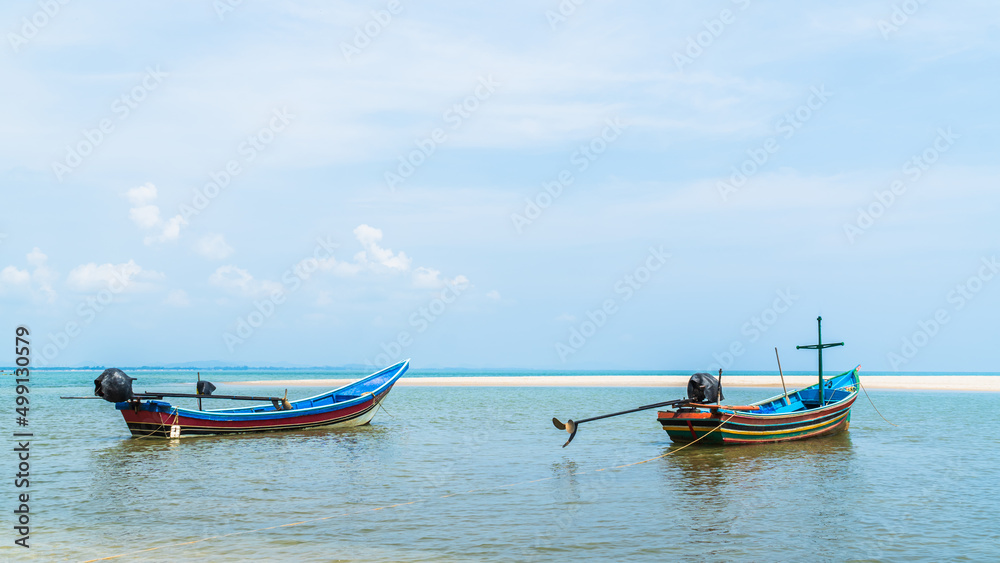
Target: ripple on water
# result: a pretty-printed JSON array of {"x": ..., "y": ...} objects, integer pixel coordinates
[{"x": 873, "y": 493}]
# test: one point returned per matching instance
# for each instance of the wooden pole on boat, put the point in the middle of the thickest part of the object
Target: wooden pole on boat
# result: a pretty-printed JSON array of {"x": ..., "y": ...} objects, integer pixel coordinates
[
  {"x": 196, "y": 390},
  {"x": 819, "y": 347},
  {"x": 718, "y": 400},
  {"x": 783, "y": 388},
  {"x": 819, "y": 333}
]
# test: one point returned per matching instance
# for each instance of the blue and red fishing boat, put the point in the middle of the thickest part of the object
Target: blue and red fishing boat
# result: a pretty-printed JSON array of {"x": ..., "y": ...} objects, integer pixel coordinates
[
  {"x": 148, "y": 415},
  {"x": 818, "y": 410}
]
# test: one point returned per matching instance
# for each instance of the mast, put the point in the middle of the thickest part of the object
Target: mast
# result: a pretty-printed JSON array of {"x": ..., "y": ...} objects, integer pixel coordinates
[{"x": 819, "y": 347}]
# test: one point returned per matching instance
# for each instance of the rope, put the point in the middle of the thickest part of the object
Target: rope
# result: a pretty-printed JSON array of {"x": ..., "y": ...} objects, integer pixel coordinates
[
  {"x": 873, "y": 404},
  {"x": 671, "y": 452},
  {"x": 383, "y": 409},
  {"x": 313, "y": 520},
  {"x": 161, "y": 427}
]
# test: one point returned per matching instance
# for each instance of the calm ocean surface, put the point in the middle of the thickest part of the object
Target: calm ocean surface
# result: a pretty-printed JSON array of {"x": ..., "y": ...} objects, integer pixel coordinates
[{"x": 925, "y": 491}]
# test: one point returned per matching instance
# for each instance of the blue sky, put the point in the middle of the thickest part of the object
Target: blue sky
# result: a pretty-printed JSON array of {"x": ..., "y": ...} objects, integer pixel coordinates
[{"x": 526, "y": 184}]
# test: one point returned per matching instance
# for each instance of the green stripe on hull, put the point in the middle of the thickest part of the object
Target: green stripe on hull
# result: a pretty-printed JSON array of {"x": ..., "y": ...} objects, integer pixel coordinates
[
  {"x": 722, "y": 436},
  {"x": 825, "y": 429}
]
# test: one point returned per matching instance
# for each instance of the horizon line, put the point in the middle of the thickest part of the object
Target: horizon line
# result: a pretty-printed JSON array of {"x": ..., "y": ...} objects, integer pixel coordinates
[{"x": 353, "y": 367}]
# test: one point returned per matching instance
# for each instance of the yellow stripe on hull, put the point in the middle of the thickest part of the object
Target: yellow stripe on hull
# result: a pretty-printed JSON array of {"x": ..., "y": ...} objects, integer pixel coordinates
[{"x": 724, "y": 430}]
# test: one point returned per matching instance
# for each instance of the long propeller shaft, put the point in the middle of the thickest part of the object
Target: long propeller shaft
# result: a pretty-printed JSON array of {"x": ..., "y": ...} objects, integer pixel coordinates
[{"x": 571, "y": 425}]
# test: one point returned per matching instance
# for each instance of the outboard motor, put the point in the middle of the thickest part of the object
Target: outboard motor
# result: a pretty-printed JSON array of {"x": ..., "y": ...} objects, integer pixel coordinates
[
  {"x": 205, "y": 387},
  {"x": 114, "y": 385},
  {"x": 704, "y": 388}
]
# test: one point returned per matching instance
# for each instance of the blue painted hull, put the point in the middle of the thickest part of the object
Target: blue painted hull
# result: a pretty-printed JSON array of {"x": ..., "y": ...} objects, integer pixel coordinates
[{"x": 351, "y": 405}]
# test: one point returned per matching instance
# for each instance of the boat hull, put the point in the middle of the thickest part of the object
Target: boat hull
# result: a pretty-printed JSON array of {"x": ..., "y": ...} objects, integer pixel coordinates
[
  {"x": 734, "y": 427},
  {"x": 747, "y": 429},
  {"x": 352, "y": 405},
  {"x": 151, "y": 423}
]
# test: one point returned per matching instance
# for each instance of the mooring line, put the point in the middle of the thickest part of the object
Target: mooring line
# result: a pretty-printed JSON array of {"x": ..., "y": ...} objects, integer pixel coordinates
[
  {"x": 313, "y": 520},
  {"x": 161, "y": 427},
  {"x": 873, "y": 404},
  {"x": 671, "y": 452}
]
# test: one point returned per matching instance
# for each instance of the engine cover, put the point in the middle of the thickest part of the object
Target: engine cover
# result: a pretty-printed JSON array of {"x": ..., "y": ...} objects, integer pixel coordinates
[
  {"x": 704, "y": 388},
  {"x": 114, "y": 385}
]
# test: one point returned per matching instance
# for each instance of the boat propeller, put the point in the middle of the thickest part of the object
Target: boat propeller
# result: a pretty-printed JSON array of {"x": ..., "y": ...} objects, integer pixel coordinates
[{"x": 570, "y": 427}]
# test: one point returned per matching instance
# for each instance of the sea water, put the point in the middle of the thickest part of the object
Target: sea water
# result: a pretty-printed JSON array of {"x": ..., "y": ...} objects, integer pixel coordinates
[{"x": 479, "y": 474}]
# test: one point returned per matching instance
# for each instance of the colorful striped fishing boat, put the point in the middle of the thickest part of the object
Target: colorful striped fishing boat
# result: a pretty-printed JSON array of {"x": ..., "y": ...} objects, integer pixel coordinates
[
  {"x": 793, "y": 416},
  {"x": 821, "y": 409},
  {"x": 147, "y": 415}
]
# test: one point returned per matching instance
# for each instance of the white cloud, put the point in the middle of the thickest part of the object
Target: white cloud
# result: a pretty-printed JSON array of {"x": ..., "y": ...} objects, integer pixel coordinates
[
  {"x": 378, "y": 260},
  {"x": 142, "y": 195},
  {"x": 427, "y": 278},
  {"x": 375, "y": 256},
  {"x": 342, "y": 269},
  {"x": 171, "y": 229},
  {"x": 146, "y": 215},
  {"x": 127, "y": 276},
  {"x": 12, "y": 276},
  {"x": 38, "y": 281},
  {"x": 239, "y": 281},
  {"x": 36, "y": 258},
  {"x": 494, "y": 294},
  {"x": 177, "y": 298},
  {"x": 214, "y": 247}
]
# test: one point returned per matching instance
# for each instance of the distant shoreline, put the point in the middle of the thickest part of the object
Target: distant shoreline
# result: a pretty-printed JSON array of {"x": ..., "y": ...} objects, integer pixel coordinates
[
  {"x": 989, "y": 383},
  {"x": 352, "y": 371}
]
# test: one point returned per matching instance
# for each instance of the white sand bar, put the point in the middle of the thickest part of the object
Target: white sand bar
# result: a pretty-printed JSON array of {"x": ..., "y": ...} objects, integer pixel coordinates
[{"x": 915, "y": 382}]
